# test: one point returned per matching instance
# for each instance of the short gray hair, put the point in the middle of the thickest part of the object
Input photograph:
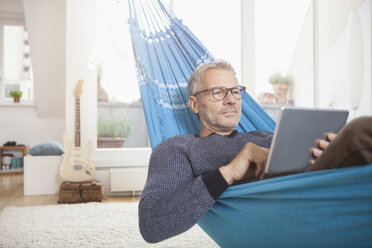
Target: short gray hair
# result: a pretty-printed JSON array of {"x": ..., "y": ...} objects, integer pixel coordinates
[{"x": 195, "y": 81}]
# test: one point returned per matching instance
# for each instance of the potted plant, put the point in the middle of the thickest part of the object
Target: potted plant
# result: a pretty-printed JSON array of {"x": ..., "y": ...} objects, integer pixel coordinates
[
  {"x": 280, "y": 86},
  {"x": 113, "y": 130},
  {"x": 16, "y": 94}
]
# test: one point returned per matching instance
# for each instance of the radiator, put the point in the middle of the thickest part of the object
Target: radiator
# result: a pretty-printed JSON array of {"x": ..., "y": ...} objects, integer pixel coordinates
[{"x": 128, "y": 179}]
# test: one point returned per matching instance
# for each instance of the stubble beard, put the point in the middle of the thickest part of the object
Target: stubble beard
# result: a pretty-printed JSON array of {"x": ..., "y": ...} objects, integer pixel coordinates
[{"x": 220, "y": 122}]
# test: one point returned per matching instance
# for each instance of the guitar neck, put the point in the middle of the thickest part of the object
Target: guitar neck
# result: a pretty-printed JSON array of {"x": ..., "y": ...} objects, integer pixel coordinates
[{"x": 77, "y": 121}]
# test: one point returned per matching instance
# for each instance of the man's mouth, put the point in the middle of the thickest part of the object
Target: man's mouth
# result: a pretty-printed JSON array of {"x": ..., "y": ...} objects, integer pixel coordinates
[{"x": 229, "y": 112}]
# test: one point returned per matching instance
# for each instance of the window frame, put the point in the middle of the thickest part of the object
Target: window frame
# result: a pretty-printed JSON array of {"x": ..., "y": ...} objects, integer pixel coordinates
[
  {"x": 108, "y": 157},
  {"x": 80, "y": 64},
  {"x": 10, "y": 19}
]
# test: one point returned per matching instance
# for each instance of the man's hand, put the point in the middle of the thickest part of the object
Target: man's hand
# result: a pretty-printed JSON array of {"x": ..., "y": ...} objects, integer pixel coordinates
[
  {"x": 322, "y": 145},
  {"x": 241, "y": 166}
]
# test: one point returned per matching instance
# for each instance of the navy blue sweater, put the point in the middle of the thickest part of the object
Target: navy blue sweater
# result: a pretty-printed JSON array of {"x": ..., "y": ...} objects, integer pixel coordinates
[{"x": 184, "y": 181}]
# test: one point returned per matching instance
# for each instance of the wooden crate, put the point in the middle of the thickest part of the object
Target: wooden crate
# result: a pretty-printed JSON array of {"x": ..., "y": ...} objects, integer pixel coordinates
[{"x": 71, "y": 192}]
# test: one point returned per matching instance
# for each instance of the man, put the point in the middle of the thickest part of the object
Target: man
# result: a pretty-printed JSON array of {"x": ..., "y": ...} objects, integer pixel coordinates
[{"x": 188, "y": 173}]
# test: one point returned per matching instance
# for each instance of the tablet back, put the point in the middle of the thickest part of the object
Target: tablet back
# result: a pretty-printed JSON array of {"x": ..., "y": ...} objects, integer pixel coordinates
[{"x": 296, "y": 133}]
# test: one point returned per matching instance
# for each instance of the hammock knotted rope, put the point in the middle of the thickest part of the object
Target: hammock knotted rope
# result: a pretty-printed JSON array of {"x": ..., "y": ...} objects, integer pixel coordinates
[{"x": 305, "y": 210}]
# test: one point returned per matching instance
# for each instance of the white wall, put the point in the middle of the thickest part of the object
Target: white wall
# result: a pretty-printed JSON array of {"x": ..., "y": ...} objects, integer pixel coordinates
[
  {"x": 46, "y": 25},
  {"x": 21, "y": 124},
  {"x": 79, "y": 49},
  {"x": 31, "y": 124},
  {"x": 12, "y": 6}
]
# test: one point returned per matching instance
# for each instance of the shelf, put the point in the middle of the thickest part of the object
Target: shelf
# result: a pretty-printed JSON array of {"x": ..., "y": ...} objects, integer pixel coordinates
[
  {"x": 12, "y": 150},
  {"x": 17, "y": 170}
]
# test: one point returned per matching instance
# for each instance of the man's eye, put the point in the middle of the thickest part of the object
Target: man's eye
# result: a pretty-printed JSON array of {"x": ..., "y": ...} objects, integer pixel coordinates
[
  {"x": 236, "y": 91},
  {"x": 218, "y": 92}
]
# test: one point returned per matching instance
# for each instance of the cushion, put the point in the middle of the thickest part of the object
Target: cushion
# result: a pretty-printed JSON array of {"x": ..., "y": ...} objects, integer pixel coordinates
[{"x": 47, "y": 148}]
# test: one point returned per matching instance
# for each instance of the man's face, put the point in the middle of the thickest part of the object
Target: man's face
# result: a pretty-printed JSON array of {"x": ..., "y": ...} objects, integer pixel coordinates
[{"x": 217, "y": 116}]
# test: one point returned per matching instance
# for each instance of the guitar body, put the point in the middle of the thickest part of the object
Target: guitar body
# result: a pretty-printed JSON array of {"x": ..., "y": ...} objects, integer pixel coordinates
[{"x": 76, "y": 165}]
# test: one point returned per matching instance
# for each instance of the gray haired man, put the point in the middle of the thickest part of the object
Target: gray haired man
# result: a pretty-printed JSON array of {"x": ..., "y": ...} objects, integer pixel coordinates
[{"x": 187, "y": 173}]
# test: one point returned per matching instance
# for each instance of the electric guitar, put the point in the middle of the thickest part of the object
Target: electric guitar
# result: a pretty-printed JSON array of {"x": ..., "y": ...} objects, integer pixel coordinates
[{"x": 76, "y": 165}]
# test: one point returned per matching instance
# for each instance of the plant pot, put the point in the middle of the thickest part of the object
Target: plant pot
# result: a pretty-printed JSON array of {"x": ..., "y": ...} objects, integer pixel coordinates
[
  {"x": 280, "y": 93},
  {"x": 108, "y": 142},
  {"x": 16, "y": 99}
]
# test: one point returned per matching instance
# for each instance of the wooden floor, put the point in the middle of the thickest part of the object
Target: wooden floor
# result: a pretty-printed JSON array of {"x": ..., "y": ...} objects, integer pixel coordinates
[{"x": 11, "y": 194}]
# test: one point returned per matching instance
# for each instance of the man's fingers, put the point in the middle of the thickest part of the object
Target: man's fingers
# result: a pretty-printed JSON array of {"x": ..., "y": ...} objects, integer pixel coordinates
[
  {"x": 330, "y": 136},
  {"x": 323, "y": 144},
  {"x": 316, "y": 152},
  {"x": 262, "y": 175},
  {"x": 259, "y": 170},
  {"x": 311, "y": 162}
]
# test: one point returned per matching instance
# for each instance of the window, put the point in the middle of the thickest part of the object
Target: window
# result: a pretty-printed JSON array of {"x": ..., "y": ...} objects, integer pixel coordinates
[
  {"x": 17, "y": 69},
  {"x": 120, "y": 117},
  {"x": 216, "y": 24},
  {"x": 119, "y": 108},
  {"x": 284, "y": 45},
  {"x": 329, "y": 57},
  {"x": 288, "y": 40},
  {"x": 117, "y": 90},
  {"x": 345, "y": 56}
]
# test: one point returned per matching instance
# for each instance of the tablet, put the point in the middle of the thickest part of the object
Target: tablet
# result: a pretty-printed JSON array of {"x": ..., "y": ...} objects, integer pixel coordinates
[{"x": 296, "y": 132}]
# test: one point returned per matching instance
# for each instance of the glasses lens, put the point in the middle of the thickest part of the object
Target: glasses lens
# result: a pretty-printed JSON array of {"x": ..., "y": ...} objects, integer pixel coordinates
[
  {"x": 219, "y": 93},
  {"x": 236, "y": 92}
]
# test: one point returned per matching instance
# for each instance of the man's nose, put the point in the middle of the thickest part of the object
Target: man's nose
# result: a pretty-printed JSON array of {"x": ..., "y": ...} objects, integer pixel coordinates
[{"x": 229, "y": 99}]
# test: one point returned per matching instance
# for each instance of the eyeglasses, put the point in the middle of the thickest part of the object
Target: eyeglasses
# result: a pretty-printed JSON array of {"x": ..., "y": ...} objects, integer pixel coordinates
[{"x": 220, "y": 93}]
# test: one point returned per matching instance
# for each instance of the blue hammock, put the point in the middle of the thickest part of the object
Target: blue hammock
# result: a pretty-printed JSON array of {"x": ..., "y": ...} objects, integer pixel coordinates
[
  {"x": 311, "y": 209},
  {"x": 166, "y": 54},
  {"x": 330, "y": 208}
]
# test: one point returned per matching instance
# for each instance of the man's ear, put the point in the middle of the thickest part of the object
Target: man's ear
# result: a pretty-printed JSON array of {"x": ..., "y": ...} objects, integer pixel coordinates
[{"x": 193, "y": 103}]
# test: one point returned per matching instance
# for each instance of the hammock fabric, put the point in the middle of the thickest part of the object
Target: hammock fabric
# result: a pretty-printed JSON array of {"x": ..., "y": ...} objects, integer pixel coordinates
[
  {"x": 330, "y": 208},
  {"x": 312, "y": 209}
]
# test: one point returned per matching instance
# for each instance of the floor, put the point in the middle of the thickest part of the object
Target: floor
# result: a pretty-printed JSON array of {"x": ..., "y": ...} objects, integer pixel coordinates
[{"x": 11, "y": 194}]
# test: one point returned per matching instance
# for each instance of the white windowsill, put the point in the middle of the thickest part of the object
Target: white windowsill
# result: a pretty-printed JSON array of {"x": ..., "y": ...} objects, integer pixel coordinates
[
  {"x": 129, "y": 157},
  {"x": 10, "y": 103}
]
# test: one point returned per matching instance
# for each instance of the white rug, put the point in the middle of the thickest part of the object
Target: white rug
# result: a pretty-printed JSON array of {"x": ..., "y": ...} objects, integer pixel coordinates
[{"x": 84, "y": 225}]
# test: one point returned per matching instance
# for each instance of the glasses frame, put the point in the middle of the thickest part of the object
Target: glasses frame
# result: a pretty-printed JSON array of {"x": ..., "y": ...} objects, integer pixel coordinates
[{"x": 241, "y": 88}]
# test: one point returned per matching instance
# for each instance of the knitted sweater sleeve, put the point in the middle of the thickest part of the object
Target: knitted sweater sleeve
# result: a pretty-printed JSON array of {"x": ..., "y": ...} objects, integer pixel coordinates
[{"x": 173, "y": 199}]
